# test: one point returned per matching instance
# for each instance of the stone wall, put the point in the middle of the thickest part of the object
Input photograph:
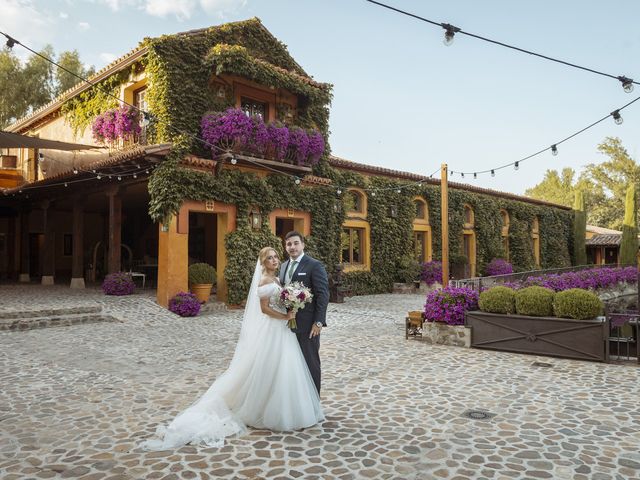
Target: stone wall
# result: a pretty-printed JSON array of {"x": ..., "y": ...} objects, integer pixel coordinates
[{"x": 437, "y": 333}]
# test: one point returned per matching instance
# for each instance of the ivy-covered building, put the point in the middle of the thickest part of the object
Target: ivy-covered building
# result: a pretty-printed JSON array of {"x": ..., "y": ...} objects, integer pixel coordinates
[{"x": 173, "y": 181}]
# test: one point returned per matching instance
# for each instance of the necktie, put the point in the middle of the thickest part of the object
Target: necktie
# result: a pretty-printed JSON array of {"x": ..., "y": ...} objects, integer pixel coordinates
[{"x": 292, "y": 267}]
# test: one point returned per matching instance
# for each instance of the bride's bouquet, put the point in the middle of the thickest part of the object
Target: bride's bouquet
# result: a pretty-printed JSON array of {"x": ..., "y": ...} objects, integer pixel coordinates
[{"x": 294, "y": 297}]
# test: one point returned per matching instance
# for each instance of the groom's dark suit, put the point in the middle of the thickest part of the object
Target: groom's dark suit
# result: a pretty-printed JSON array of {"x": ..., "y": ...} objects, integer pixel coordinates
[{"x": 313, "y": 275}]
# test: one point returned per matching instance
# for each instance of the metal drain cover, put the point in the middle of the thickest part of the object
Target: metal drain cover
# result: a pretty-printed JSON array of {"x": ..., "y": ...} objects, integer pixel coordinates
[
  {"x": 542, "y": 364},
  {"x": 478, "y": 414}
]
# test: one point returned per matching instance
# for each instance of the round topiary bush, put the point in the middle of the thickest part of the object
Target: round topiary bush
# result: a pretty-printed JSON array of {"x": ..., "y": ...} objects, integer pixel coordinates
[
  {"x": 202, "y": 274},
  {"x": 498, "y": 300},
  {"x": 534, "y": 301},
  {"x": 118, "y": 283},
  {"x": 577, "y": 303}
]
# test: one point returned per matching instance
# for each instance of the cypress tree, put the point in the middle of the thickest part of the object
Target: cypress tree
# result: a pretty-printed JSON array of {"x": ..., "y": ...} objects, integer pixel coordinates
[
  {"x": 579, "y": 229},
  {"x": 629, "y": 242}
]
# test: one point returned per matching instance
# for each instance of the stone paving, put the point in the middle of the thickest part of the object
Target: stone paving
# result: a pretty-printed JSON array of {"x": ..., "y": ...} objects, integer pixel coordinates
[{"x": 76, "y": 401}]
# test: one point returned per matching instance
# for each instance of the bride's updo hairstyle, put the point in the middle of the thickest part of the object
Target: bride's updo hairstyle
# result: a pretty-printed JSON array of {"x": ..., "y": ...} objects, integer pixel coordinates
[{"x": 264, "y": 253}]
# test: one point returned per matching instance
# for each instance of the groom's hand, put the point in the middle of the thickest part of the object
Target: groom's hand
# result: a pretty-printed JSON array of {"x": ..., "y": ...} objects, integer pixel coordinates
[{"x": 315, "y": 331}]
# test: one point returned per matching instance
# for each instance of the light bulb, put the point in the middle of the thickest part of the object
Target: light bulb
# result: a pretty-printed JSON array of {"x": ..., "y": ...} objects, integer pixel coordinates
[
  {"x": 119, "y": 178},
  {"x": 373, "y": 194},
  {"x": 75, "y": 170},
  {"x": 146, "y": 171},
  {"x": 554, "y": 150},
  {"x": 99, "y": 177},
  {"x": 475, "y": 175},
  {"x": 516, "y": 165},
  {"x": 233, "y": 160},
  {"x": 627, "y": 83},
  {"x": 398, "y": 191},
  {"x": 493, "y": 173},
  {"x": 616, "y": 117},
  {"x": 448, "y": 38},
  {"x": 339, "y": 192},
  {"x": 65, "y": 184},
  {"x": 135, "y": 176},
  {"x": 462, "y": 174},
  {"x": 297, "y": 181}
]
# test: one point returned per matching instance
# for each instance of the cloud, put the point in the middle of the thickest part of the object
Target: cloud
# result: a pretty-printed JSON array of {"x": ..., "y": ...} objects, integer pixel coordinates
[
  {"x": 83, "y": 26},
  {"x": 23, "y": 21},
  {"x": 116, "y": 5},
  {"x": 220, "y": 7},
  {"x": 182, "y": 9},
  {"x": 107, "y": 57}
]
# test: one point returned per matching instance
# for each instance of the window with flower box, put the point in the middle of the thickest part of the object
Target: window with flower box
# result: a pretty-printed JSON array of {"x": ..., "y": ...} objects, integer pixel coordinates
[
  {"x": 355, "y": 238},
  {"x": 421, "y": 231}
]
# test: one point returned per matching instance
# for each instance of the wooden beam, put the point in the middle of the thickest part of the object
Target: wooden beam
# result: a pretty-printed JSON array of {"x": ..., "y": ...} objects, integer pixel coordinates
[{"x": 444, "y": 216}]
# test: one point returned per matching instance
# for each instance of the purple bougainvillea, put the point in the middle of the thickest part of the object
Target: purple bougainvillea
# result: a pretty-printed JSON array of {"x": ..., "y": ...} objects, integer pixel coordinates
[
  {"x": 590, "y": 279},
  {"x": 498, "y": 266},
  {"x": 431, "y": 272},
  {"x": 184, "y": 304},
  {"x": 448, "y": 305},
  {"x": 233, "y": 129},
  {"x": 116, "y": 123},
  {"x": 118, "y": 283}
]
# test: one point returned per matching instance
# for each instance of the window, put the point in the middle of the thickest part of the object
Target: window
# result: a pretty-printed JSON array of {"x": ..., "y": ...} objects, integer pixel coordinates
[
  {"x": 421, "y": 231},
  {"x": 352, "y": 240},
  {"x": 140, "y": 98},
  {"x": 535, "y": 240},
  {"x": 468, "y": 216},
  {"x": 469, "y": 239},
  {"x": 505, "y": 233},
  {"x": 9, "y": 161},
  {"x": 355, "y": 202},
  {"x": 254, "y": 108}
]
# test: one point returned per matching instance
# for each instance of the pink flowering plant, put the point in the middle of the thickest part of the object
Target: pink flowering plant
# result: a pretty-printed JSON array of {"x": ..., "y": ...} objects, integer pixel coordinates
[
  {"x": 431, "y": 272},
  {"x": 233, "y": 129},
  {"x": 184, "y": 304},
  {"x": 123, "y": 122},
  {"x": 588, "y": 279},
  {"x": 447, "y": 305},
  {"x": 118, "y": 283},
  {"x": 294, "y": 297}
]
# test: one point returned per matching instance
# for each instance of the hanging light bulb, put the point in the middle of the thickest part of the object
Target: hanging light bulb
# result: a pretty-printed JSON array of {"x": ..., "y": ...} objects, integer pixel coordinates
[
  {"x": 493, "y": 173},
  {"x": 119, "y": 178},
  {"x": 373, "y": 194},
  {"x": 146, "y": 171},
  {"x": 135, "y": 175},
  {"x": 233, "y": 160},
  {"x": 616, "y": 117},
  {"x": 99, "y": 177},
  {"x": 297, "y": 180},
  {"x": 10, "y": 42},
  {"x": 627, "y": 83},
  {"x": 449, "y": 33},
  {"x": 475, "y": 175},
  {"x": 75, "y": 170},
  {"x": 398, "y": 191},
  {"x": 66, "y": 184},
  {"x": 554, "y": 150},
  {"x": 94, "y": 170},
  {"x": 516, "y": 165},
  {"x": 339, "y": 192},
  {"x": 462, "y": 174}
]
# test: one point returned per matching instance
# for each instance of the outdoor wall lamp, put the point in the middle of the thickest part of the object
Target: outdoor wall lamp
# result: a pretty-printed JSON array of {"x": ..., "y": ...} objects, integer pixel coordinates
[
  {"x": 255, "y": 219},
  {"x": 393, "y": 211}
]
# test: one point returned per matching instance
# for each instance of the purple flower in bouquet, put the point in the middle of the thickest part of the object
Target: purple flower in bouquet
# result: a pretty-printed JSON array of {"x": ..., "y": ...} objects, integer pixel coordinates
[
  {"x": 316, "y": 146},
  {"x": 298, "y": 145},
  {"x": 294, "y": 297},
  {"x": 278, "y": 140},
  {"x": 431, "y": 272},
  {"x": 118, "y": 283},
  {"x": 227, "y": 129},
  {"x": 498, "y": 266},
  {"x": 448, "y": 305},
  {"x": 184, "y": 304}
]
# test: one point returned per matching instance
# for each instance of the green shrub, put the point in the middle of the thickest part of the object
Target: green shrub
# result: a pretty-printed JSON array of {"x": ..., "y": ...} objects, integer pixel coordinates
[
  {"x": 202, "y": 273},
  {"x": 535, "y": 301},
  {"x": 577, "y": 303},
  {"x": 498, "y": 300}
]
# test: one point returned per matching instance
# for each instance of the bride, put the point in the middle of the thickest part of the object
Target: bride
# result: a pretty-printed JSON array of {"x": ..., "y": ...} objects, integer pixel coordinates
[{"x": 267, "y": 384}]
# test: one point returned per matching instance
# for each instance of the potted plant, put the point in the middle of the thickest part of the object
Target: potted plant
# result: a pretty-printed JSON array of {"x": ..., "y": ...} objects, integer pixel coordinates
[{"x": 202, "y": 277}]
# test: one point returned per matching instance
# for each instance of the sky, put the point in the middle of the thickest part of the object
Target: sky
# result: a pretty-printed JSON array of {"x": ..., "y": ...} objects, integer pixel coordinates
[{"x": 402, "y": 99}]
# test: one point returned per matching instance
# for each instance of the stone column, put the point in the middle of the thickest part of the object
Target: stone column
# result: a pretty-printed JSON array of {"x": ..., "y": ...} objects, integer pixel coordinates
[
  {"x": 48, "y": 253},
  {"x": 115, "y": 229},
  {"x": 24, "y": 245},
  {"x": 77, "y": 262}
]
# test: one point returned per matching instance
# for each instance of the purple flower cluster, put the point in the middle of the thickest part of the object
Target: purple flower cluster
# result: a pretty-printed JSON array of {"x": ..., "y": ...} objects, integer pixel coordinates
[
  {"x": 234, "y": 129},
  {"x": 184, "y": 304},
  {"x": 116, "y": 123},
  {"x": 498, "y": 266},
  {"x": 591, "y": 279},
  {"x": 118, "y": 283},
  {"x": 449, "y": 304},
  {"x": 431, "y": 272}
]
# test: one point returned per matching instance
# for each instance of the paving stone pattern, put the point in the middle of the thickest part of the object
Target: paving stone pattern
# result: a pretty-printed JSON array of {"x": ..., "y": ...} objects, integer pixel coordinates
[{"x": 76, "y": 401}]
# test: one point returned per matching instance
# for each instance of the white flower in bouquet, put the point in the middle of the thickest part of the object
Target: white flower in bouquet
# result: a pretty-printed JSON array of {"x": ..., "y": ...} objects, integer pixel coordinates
[{"x": 294, "y": 297}]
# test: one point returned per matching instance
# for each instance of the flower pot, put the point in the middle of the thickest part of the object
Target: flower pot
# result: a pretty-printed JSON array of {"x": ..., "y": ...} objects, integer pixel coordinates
[{"x": 202, "y": 291}]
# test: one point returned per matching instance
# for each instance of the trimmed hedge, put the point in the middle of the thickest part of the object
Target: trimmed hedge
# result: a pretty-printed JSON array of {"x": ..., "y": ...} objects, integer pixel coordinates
[
  {"x": 577, "y": 303},
  {"x": 534, "y": 301},
  {"x": 498, "y": 300}
]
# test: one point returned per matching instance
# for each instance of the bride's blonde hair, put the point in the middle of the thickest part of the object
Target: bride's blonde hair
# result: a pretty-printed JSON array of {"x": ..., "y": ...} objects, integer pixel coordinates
[{"x": 264, "y": 253}]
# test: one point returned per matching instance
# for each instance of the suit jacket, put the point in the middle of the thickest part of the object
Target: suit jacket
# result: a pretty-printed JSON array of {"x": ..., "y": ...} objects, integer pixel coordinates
[{"x": 313, "y": 275}]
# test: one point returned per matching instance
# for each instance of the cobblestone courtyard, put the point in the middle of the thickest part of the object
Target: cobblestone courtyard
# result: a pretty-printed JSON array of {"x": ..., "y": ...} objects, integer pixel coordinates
[{"x": 76, "y": 401}]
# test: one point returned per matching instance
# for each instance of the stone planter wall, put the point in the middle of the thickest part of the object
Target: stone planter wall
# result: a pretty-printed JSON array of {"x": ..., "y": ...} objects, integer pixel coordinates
[{"x": 437, "y": 333}]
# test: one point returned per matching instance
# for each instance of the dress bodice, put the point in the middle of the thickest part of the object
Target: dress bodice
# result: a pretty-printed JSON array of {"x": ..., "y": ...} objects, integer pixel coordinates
[{"x": 272, "y": 291}]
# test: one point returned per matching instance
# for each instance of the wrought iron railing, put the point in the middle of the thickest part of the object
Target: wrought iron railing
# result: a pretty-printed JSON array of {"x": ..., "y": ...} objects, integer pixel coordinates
[{"x": 624, "y": 333}]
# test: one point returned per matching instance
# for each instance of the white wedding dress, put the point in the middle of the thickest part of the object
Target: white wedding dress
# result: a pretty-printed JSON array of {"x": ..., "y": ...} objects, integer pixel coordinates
[{"x": 267, "y": 384}]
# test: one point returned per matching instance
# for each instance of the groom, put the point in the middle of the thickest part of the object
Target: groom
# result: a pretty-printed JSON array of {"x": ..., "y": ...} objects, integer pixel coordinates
[{"x": 309, "y": 271}]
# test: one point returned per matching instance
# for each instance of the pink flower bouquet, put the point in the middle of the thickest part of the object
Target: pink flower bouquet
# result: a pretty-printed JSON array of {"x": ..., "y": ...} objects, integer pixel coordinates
[{"x": 294, "y": 297}]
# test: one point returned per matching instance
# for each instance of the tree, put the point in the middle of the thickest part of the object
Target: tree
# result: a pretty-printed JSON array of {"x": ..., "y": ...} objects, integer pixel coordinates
[
  {"x": 26, "y": 87},
  {"x": 65, "y": 80},
  {"x": 629, "y": 242},
  {"x": 579, "y": 229}
]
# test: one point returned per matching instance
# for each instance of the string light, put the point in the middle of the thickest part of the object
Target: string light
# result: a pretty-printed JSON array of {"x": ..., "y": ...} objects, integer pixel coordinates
[
  {"x": 135, "y": 176},
  {"x": 449, "y": 33},
  {"x": 373, "y": 194},
  {"x": 339, "y": 192},
  {"x": 516, "y": 165},
  {"x": 627, "y": 83},
  {"x": 554, "y": 150},
  {"x": 10, "y": 42},
  {"x": 99, "y": 177},
  {"x": 493, "y": 173},
  {"x": 75, "y": 170},
  {"x": 66, "y": 184},
  {"x": 617, "y": 117},
  {"x": 297, "y": 181},
  {"x": 475, "y": 175},
  {"x": 233, "y": 160}
]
